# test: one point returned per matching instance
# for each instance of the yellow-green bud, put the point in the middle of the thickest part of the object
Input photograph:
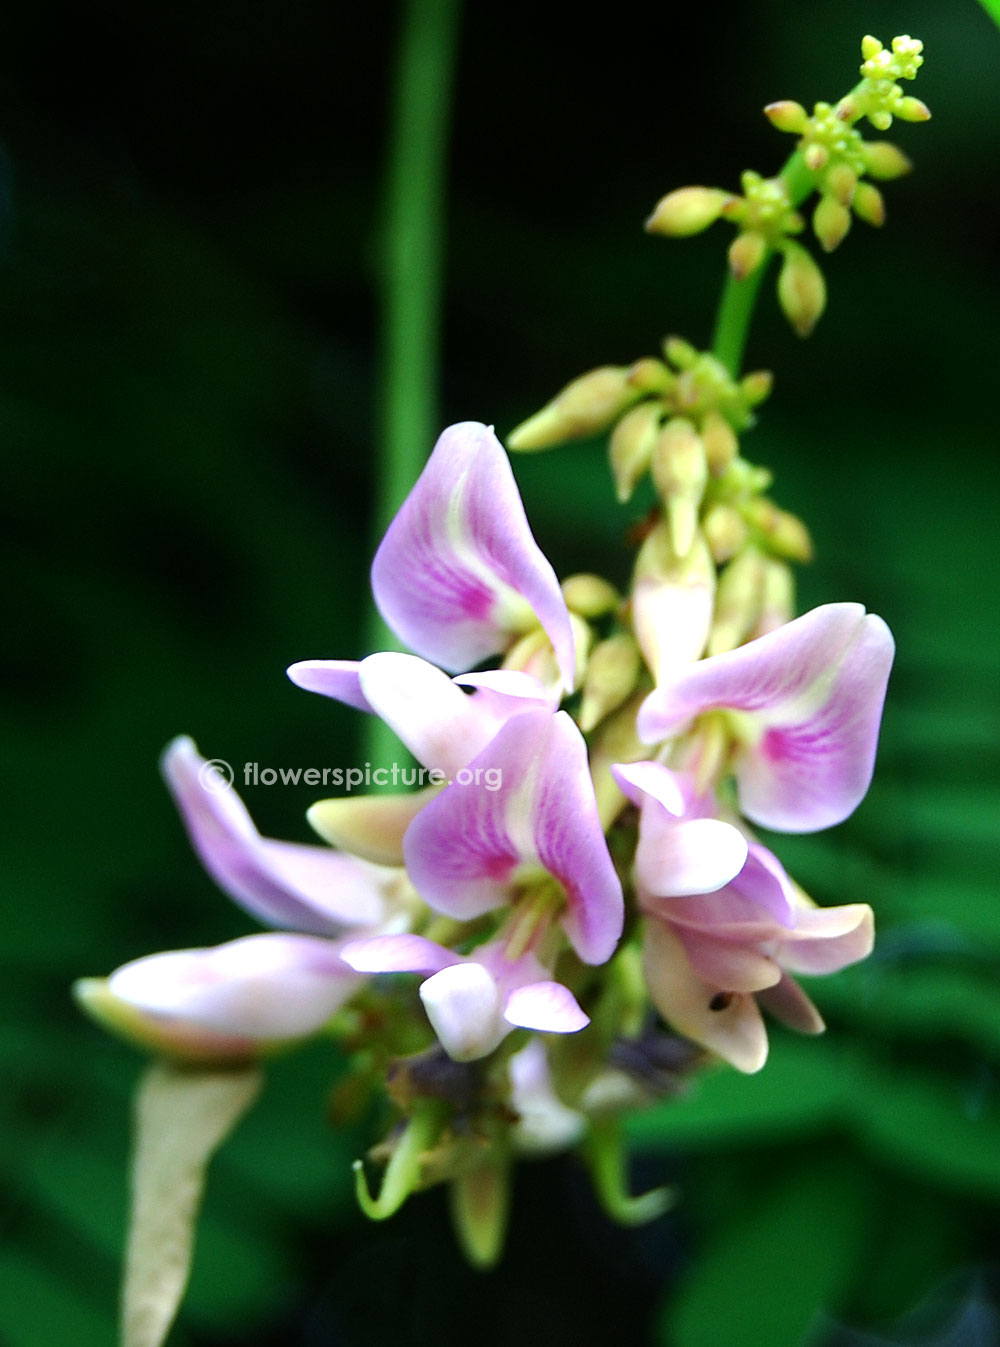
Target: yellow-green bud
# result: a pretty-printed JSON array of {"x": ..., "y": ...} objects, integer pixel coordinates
[
  {"x": 651, "y": 376},
  {"x": 884, "y": 160},
  {"x": 869, "y": 204},
  {"x": 801, "y": 289},
  {"x": 756, "y": 386},
  {"x": 534, "y": 654},
  {"x": 725, "y": 532},
  {"x": 780, "y": 531},
  {"x": 871, "y": 47},
  {"x": 912, "y": 110},
  {"x": 672, "y": 601},
  {"x": 719, "y": 439},
  {"x": 787, "y": 115},
  {"x": 631, "y": 447},
  {"x": 687, "y": 211},
  {"x": 586, "y": 406},
  {"x": 840, "y": 182},
  {"x": 816, "y": 156},
  {"x": 738, "y": 601},
  {"x": 680, "y": 474},
  {"x": 831, "y": 221},
  {"x": 777, "y": 598},
  {"x": 746, "y": 252},
  {"x": 590, "y": 595},
  {"x": 612, "y": 673},
  {"x": 679, "y": 352}
]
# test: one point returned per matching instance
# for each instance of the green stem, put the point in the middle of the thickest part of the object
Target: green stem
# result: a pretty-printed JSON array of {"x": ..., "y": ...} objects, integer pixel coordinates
[{"x": 411, "y": 281}]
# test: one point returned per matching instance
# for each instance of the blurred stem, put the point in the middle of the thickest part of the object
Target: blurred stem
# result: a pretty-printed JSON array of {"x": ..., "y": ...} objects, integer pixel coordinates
[
  {"x": 739, "y": 298},
  {"x": 411, "y": 280}
]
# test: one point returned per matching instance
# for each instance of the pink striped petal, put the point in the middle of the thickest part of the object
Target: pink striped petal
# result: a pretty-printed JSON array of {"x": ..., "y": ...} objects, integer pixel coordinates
[
  {"x": 458, "y": 570},
  {"x": 260, "y": 987},
  {"x": 281, "y": 883},
  {"x": 546, "y": 1006},
  {"x": 728, "y": 964},
  {"x": 337, "y": 678}
]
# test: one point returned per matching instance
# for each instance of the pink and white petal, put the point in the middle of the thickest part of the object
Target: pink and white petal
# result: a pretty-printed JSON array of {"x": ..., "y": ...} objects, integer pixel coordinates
[
  {"x": 768, "y": 675},
  {"x": 263, "y": 987},
  {"x": 787, "y": 1002},
  {"x": 458, "y": 571},
  {"x": 829, "y": 938},
  {"x": 546, "y": 1006},
  {"x": 336, "y": 678},
  {"x": 463, "y": 1005},
  {"x": 505, "y": 687},
  {"x": 173, "y": 1036},
  {"x": 811, "y": 768},
  {"x": 442, "y": 726},
  {"x": 732, "y": 966},
  {"x": 569, "y": 836},
  {"x": 281, "y": 883},
  {"x": 642, "y": 780},
  {"x": 691, "y": 856},
  {"x": 735, "y": 1031},
  {"x": 397, "y": 954},
  {"x": 369, "y": 826}
]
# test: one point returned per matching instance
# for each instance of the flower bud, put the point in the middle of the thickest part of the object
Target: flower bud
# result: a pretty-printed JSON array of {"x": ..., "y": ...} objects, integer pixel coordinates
[
  {"x": 725, "y": 531},
  {"x": 870, "y": 47},
  {"x": 801, "y": 289},
  {"x": 590, "y": 595},
  {"x": 756, "y": 386},
  {"x": 533, "y": 654},
  {"x": 612, "y": 673},
  {"x": 687, "y": 211},
  {"x": 586, "y": 406},
  {"x": 831, "y": 221},
  {"x": 679, "y": 352},
  {"x": 869, "y": 204},
  {"x": 787, "y": 115},
  {"x": 650, "y": 376},
  {"x": 480, "y": 1201},
  {"x": 780, "y": 531},
  {"x": 911, "y": 109},
  {"x": 816, "y": 156},
  {"x": 840, "y": 183},
  {"x": 680, "y": 473},
  {"x": 719, "y": 439},
  {"x": 672, "y": 600},
  {"x": 746, "y": 252},
  {"x": 884, "y": 160},
  {"x": 777, "y": 598},
  {"x": 631, "y": 447},
  {"x": 738, "y": 601}
]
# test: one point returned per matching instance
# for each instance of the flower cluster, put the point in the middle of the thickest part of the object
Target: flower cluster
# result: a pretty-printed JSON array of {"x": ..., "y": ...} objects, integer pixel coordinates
[{"x": 525, "y": 911}]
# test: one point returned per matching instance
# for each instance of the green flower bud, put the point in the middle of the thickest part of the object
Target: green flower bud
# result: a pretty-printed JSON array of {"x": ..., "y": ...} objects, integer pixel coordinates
[
  {"x": 680, "y": 472},
  {"x": 719, "y": 439},
  {"x": 612, "y": 674},
  {"x": 687, "y": 211},
  {"x": 884, "y": 160},
  {"x": 590, "y": 595},
  {"x": 840, "y": 183},
  {"x": 738, "y": 601},
  {"x": 778, "y": 530},
  {"x": 831, "y": 221},
  {"x": 746, "y": 252},
  {"x": 912, "y": 110},
  {"x": 869, "y": 205},
  {"x": 679, "y": 352},
  {"x": 631, "y": 447},
  {"x": 725, "y": 531},
  {"x": 586, "y": 406},
  {"x": 816, "y": 157},
  {"x": 787, "y": 115},
  {"x": 801, "y": 289},
  {"x": 755, "y": 387},
  {"x": 651, "y": 376}
]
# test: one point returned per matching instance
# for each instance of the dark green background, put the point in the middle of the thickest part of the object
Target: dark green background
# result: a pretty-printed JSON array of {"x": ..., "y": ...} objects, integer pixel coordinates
[{"x": 189, "y": 402}]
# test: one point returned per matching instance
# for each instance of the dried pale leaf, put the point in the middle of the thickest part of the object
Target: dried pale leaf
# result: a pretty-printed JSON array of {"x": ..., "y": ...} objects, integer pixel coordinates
[{"x": 181, "y": 1117}]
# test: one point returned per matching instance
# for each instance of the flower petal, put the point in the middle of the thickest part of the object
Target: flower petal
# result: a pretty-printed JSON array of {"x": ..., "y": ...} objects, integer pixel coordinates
[
  {"x": 787, "y": 1002},
  {"x": 546, "y": 1006},
  {"x": 675, "y": 858},
  {"x": 369, "y": 826},
  {"x": 458, "y": 569},
  {"x": 337, "y": 678},
  {"x": 640, "y": 780},
  {"x": 270, "y": 986},
  {"x": 463, "y": 1005},
  {"x": 829, "y": 938},
  {"x": 734, "y": 1030},
  {"x": 397, "y": 954},
  {"x": 730, "y": 965},
  {"x": 281, "y": 883}
]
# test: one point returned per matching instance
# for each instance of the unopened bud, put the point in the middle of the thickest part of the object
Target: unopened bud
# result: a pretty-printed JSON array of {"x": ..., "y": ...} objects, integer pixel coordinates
[
  {"x": 533, "y": 654},
  {"x": 884, "y": 160},
  {"x": 870, "y": 47},
  {"x": 801, "y": 289},
  {"x": 590, "y": 595},
  {"x": 787, "y": 115},
  {"x": 746, "y": 252},
  {"x": 650, "y": 376},
  {"x": 680, "y": 474},
  {"x": 869, "y": 204},
  {"x": 586, "y": 406},
  {"x": 631, "y": 447},
  {"x": 725, "y": 531},
  {"x": 780, "y": 531},
  {"x": 738, "y": 601},
  {"x": 816, "y": 156},
  {"x": 911, "y": 109},
  {"x": 480, "y": 1202},
  {"x": 719, "y": 439},
  {"x": 847, "y": 109},
  {"x": 672, "y": 601},
  {"x": 612, "y": 673},
  {"x": 756, "y": 386},
  {"x": 777, "y": 598},
  {"x": 680, "y": 353},
  {"x": 831, "y": 221},
  {"x": 687, "y": 211},
  {"x": 840, "y": 183},
  {"x": 880, "y": 119}
]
